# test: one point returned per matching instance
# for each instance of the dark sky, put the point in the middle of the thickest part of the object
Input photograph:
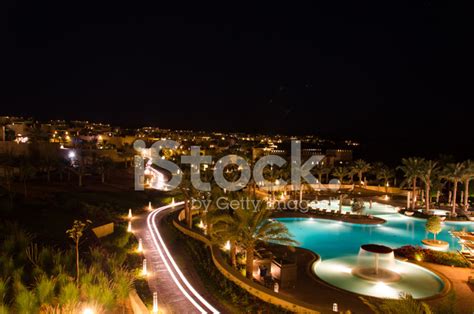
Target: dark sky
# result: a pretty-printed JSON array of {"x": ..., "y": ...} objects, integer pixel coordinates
[{"x": 396, "y": 77}]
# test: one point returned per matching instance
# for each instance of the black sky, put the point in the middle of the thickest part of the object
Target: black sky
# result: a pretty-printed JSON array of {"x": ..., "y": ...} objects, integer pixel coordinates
[{"x": 396, "y": 77}]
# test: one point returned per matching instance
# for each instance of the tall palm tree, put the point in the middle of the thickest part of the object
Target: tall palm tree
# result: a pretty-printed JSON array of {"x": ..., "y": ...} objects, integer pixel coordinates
[
  {"x": 319, "y": 172},
  {"x": 273, "y": 174},
  {"x": 429, "y": 169},
  {"x": 360, "y": 166},
  {"x": 385, "y": 173},
  {"x": 411, "y": 168},
  {"x": 468, "y": 174},
  {"x": 454, "y": 172},
  {"x": 248, "y": 227},
  {"x": 327, "y": 171},
  {"x": 340, "y": 173}
]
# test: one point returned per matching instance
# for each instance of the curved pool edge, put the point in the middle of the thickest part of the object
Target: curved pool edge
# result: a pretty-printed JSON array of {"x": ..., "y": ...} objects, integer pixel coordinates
[{"x": 447, "y": 284}]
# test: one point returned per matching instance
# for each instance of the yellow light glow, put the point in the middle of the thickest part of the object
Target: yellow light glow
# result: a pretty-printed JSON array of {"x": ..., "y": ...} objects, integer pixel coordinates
[
  {"x": 144, "y": 269},
  {"x": 140, "y": 245},
  {"x": 88, "y": 310}
]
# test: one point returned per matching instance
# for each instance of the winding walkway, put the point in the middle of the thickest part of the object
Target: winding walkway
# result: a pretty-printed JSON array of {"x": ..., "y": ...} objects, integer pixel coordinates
[{"x": 175, "y": 293}]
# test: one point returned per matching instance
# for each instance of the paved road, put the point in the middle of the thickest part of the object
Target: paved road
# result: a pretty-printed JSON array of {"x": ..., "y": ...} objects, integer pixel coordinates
[{"x": 175, "y": 293}]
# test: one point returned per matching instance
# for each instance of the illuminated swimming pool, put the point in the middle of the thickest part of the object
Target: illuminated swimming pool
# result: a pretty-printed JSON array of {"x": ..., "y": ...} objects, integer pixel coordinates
[
  {"x": 331, "y": 238},
  {"x": 338, "y": 245}
]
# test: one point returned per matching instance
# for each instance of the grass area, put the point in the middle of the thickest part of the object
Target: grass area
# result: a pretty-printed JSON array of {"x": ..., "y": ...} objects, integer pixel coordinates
[
  {"x": 50, "y": 209},
  {"x": 234, "y": 298}
]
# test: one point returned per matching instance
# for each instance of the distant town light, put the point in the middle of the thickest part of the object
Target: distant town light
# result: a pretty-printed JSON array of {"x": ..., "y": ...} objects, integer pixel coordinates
[{"x": 72, "y": 155}]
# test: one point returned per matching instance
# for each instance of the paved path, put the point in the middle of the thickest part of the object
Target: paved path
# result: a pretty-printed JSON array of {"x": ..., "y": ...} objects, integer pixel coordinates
[
  {"x": 175, "y": 293},
  {"x": 458, "y": 277}
]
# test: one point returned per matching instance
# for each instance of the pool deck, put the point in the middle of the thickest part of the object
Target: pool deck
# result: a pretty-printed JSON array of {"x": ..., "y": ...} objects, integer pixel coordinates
[
  {"x": 314, "y": 291},
  {"x": 458, "y": 278}
]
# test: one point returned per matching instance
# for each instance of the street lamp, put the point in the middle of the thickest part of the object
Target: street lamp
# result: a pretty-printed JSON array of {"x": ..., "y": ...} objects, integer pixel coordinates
[
  {"x": 144, "y": 270},
  {"x": 140, "y": 245}
]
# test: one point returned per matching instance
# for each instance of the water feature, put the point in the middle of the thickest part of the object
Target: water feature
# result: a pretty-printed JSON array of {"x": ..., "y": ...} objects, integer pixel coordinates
[{"x": 377, "y": 263}]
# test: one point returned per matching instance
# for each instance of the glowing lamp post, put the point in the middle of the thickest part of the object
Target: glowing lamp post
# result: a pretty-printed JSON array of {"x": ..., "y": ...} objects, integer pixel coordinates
[
  {"x": 155, "y": 302},
  {"x": 88, "y": 310},
  {"x": 144, "y": 270},
  {"x": 172, "y": 201},
  {"x": 276, "y": 287},
  {"x": 129, "y": 229},
  {"x": 227, "y": 246},
  {"x": 130, "y": 213},
  {"x": 140, "y": 245},
  {"x": 149, "y": 206}
]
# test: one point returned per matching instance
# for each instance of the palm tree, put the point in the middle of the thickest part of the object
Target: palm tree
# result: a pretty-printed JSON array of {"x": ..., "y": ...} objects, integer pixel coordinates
[
  {"x": 429, "y": 168},
  {"x": 360, "y": 167},
  {"x": 319, "y": 170},
  {"x": 248, "y": 227},
  {"x": 411, "y": 168},
  {"x": 468, "y": 174},
  {"x": 327, "y": 171},
  {"x": 352, "y": 173},
  {"x": 75, "y": 233},
  {"x": 128, "y": 154},
  {"x": 273, "y": 174},
  {"x": 405, "y": 304},
  {"x": 340, "y": 173},
  {"x": 453, "y": 172},
  {"x": 385, "y": 173}
]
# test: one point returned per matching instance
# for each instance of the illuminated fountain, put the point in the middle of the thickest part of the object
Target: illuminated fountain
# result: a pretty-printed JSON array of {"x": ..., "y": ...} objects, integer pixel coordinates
[
  {"x": 375, "y": 272},
  {"x": 376, "y": 263}
]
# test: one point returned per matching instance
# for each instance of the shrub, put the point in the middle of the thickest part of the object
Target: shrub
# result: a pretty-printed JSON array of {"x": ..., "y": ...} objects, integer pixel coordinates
[{"x": 437, "y": 257}]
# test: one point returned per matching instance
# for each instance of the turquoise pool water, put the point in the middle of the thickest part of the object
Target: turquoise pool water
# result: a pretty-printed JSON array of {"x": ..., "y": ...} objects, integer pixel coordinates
[
  {"x": 335, "y": 239},
  {"x": 338, "y": 245}
]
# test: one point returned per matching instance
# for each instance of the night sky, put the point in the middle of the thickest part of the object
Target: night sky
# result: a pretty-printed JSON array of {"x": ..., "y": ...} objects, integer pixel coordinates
[{"x": 396, "y": 77}]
